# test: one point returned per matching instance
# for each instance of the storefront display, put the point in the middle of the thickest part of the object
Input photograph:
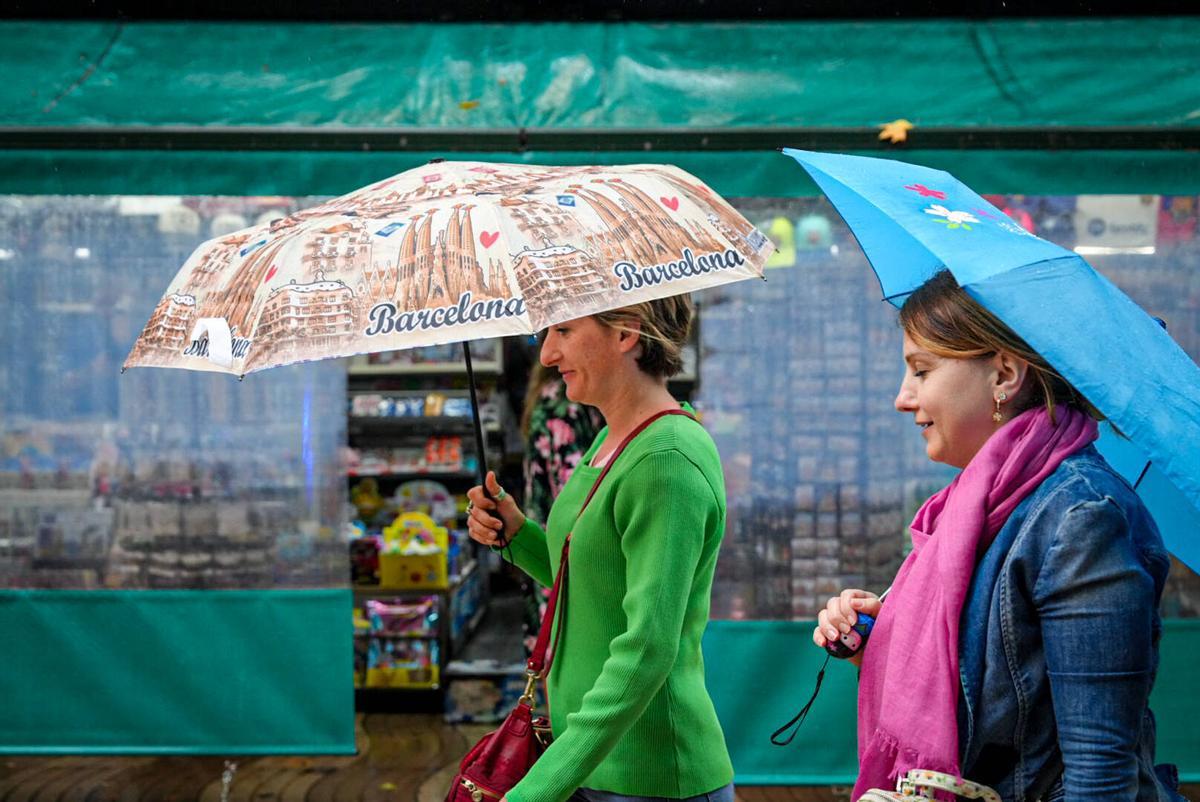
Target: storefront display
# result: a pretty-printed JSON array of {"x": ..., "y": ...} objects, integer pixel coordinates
[{"x": 409, "y": 461}]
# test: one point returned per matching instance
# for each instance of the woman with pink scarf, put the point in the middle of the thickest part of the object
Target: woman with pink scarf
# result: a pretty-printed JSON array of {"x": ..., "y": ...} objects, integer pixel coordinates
[{"x": 1018, "y": 643}]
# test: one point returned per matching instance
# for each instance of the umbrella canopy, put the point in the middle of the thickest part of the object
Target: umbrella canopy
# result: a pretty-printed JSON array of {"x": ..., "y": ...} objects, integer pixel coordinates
[
  {"x": 912, "y": 221},
  {"x": 448, "y": 252}
]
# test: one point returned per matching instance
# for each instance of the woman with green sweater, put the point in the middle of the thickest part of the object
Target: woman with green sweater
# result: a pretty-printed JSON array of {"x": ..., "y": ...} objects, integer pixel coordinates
[{"x": 628, "y": 707}]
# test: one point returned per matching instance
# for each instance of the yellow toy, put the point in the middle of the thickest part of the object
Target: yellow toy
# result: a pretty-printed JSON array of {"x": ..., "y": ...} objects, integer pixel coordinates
[
  {"x": 366, "y": 499},
  {"x": 414, "y": 553}
]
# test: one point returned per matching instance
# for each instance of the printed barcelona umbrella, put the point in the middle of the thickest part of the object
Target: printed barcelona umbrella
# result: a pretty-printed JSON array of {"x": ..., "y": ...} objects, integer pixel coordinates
[
  {"x": 447, "y": 252},
  {"x": 912, "y": 221}
]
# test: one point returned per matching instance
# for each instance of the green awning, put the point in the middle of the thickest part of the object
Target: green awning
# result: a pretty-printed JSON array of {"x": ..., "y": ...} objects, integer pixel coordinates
[
  {"x": 1045, "y": 72},
  {"x": 68, "y": 80},
  {"x": 734, "y": 174}
]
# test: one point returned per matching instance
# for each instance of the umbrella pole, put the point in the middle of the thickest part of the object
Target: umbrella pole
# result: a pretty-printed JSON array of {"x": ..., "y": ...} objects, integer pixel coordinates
[{"x": 480, "y": 446}]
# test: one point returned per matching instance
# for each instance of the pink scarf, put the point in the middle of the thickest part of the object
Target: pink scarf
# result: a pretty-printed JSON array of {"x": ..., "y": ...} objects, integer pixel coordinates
[{"x": 909, "y": 686}]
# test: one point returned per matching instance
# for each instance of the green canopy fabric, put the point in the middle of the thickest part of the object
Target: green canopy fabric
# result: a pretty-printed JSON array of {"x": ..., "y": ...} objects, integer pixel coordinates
[
  {"x": 1045, "y": 72},
  {"x": 464, "y": 79}
]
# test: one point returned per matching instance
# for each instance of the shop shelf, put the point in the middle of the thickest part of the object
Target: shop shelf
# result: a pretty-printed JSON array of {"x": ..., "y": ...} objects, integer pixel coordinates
[
  {"x": 443, "y": 424},
  {"x": 422, "y": 368},
  {"x": 377, "y": 591},
  {"x": 413, "y": 474},
  {"x": 397, "y": 635}
]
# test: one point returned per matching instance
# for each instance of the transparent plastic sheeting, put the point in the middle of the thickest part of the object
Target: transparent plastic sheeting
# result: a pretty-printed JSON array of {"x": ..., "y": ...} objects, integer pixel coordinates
[
  {"x": 154, "y": 479},
  {"x": 1037, "y": 73},
  {"x": 166, "y": 479}
]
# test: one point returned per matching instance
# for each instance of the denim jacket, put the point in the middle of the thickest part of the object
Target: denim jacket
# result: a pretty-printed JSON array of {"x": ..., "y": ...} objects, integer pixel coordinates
[{"x": 1058, "y": 644}]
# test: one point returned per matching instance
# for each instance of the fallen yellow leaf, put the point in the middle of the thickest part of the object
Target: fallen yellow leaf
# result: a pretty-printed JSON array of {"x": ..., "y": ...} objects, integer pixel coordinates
[{"x": 896, "y": 131}]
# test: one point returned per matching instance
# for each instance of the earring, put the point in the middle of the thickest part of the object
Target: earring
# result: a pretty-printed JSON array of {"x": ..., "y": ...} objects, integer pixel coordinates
[{"x": 996, "y": 416}]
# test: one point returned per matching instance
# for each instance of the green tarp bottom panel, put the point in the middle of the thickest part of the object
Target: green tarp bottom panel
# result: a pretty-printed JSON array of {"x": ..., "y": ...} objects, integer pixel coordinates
[
  {"x": 760, "y": 673},
  {"x": 176, "y": 672}
]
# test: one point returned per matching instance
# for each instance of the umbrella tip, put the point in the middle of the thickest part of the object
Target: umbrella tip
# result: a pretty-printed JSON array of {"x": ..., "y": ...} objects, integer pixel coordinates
[
  {"x": 123, "y": 369},
  {"x": 242, "y": 376}
]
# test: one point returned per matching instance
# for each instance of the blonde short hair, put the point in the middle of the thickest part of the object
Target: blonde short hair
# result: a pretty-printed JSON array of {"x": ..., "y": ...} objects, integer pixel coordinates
[
  {"x": 666, "y": 324},
  {"x": 943, "y": 319}
]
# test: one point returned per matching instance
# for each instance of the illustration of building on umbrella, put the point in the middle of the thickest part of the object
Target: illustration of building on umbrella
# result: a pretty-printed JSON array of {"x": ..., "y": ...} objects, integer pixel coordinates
[
  {"x": 735, "y": 227},
  {"x": 236, "y": 300},
  {"x": 208, "y": 269},
  {"x": 638, "y": 228},
  {"x": 168, "y": 328},
  {"x": 560, "y": 281},
  {"x": 300, "y": 321},
  {"x": 434, "y": 270},
  {"x": 340, "y": 250},
  {"x": 542, "y": 221}
]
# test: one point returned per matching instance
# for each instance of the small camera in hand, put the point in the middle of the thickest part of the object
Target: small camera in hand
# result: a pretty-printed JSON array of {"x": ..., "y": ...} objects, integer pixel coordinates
[{"x": 851, "y": 643}]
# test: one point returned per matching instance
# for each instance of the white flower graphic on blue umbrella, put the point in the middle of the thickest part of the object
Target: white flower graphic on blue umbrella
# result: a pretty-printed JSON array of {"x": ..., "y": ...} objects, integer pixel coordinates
[{"x": 953, "y": 219}]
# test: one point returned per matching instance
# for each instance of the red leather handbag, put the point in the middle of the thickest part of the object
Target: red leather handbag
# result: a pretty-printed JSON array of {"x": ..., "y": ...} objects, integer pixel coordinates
[{"x": 502, "y": 758}]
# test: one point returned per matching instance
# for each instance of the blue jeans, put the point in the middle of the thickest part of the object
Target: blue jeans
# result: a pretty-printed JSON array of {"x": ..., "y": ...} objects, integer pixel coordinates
[{"x": 723, "y": 794}]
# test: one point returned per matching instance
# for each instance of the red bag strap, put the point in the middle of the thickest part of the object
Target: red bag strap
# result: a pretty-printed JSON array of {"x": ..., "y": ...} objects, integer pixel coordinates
[{"x": 537, "y": 667}]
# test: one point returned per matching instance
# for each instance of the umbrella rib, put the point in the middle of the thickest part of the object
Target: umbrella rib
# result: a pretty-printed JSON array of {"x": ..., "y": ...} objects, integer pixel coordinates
[{"x": 1142, "y": 475}]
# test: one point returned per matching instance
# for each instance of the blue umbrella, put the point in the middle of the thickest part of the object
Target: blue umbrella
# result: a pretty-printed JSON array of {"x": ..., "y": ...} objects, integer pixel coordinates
[{"x": 913, "y": 221}]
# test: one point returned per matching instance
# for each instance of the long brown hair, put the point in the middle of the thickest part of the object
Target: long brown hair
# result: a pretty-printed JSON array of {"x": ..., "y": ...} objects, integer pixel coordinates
[{"x": 941, "y": 318}]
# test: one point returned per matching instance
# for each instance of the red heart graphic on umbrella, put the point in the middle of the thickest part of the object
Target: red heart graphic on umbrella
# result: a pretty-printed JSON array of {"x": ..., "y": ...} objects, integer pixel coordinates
[
  {"x": 488, "y": 238},
  {"x": 271, "y": 274},
  {"x": 671, "y": 203}
]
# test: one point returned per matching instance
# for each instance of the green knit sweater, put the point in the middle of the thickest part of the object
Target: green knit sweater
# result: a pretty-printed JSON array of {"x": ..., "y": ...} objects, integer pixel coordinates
[{"x": 628, "y": 705}]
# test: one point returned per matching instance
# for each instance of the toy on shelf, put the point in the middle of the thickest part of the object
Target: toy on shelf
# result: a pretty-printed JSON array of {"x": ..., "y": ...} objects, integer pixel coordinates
[
  {"x": 427, "y": 496},
  {"x": 414, "y": 553},
  {"x": 408, "y": 619},
  {"x": 364, "y": 560},
  {"x": 366, "y": 499},
  {"x": 402, "y": 663},
  {"x": 444, "y": 453}
]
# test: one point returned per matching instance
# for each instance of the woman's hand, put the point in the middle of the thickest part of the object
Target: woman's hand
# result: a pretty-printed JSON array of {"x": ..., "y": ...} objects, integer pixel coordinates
[
  {"x": 841, "y": 613},
  {"x": 492, "y": 521}
]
